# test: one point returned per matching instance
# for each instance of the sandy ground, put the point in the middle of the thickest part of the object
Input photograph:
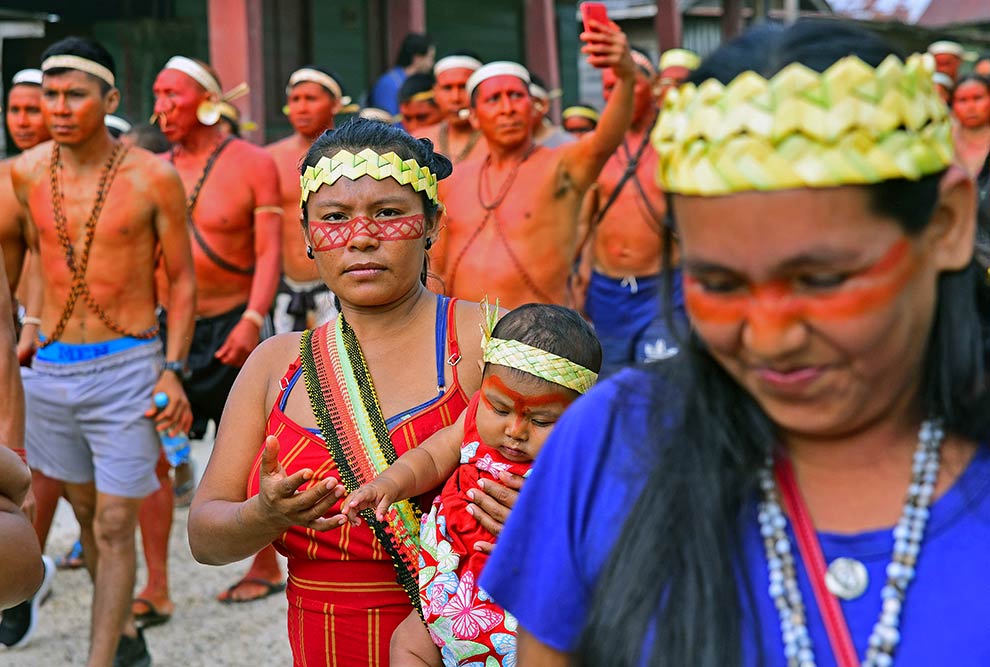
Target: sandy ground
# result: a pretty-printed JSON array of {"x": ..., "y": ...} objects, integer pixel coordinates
[{"x": 201, "y": 633}]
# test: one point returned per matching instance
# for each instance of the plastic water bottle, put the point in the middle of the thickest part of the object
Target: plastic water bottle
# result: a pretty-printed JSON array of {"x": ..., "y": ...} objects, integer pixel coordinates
[{"x": 176, "y": 446}]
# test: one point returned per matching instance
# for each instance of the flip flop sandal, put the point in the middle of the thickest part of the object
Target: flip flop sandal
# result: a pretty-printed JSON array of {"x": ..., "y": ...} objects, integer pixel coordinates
[
  {"x": 72, "y": 560},
  {"x": 151, "y": 616},
  {"x": 270, "y": 589}
]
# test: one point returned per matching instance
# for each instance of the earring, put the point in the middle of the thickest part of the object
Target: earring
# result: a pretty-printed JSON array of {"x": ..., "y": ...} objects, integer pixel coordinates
[
  {"x": 309, "y": 252},
  {"x": 429, "y": 243}
]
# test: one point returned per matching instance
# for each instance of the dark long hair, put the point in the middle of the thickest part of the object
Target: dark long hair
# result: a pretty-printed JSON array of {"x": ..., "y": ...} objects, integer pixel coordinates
[
  {"x": 674, "y": 572},
  {"x": 359, "y": 133}
]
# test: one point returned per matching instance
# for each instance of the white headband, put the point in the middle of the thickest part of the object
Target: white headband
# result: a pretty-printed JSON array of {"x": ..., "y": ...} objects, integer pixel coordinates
[
  {"x": 943, "y": 79},
  {"x": 29, "y": 76},
  {"x": 945, "y": 46},
  {"x": 497, "y": 68},
  {"x": 197, "y": 72},
  {"x": 117, "y": 123},
  {"x": 456, "y": 62},
  {"x": 78, "y": 63},
  {"x": 316, "y": 76}
]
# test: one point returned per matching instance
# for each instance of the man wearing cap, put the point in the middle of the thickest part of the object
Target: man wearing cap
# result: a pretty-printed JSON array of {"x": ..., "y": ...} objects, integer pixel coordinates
[
  {"x": 580, "y": 118},
  {"x": 623, "y": 253},
  {"x": 512, "y": 218},
  {"x": 675, "y": 67},
  {"x": 454, "y": 136},
  {"x": 417, "y": 108},
  {"x": 313, "y": 97},
  {"x": 26, "y": 126},
  {"x": 100, "y": 214},
  {"x": 234, "y": 218},
  {"x": 948, "y": 57}
]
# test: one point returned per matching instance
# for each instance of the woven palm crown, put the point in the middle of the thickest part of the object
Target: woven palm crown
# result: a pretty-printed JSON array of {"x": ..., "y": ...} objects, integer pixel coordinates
[
  {"x": 344, "y": 164},
  {"x": 850, "y": 125},
  {"x": 528, "y": 359}
]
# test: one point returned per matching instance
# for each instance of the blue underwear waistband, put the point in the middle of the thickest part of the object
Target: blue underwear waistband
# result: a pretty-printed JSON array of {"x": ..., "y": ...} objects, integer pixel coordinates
[{"x": 69, "y": 353}]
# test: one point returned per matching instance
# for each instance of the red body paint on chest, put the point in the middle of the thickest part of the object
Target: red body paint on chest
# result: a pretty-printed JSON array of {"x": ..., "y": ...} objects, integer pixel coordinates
[
  {"x": 776, "y": 301},
  {"x": 332, "y": 235}
]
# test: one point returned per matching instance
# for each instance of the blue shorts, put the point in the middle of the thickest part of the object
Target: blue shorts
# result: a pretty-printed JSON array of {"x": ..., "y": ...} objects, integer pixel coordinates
[
  {"x": 85, "y": 419},
  {"x": 629, "y": 320}
]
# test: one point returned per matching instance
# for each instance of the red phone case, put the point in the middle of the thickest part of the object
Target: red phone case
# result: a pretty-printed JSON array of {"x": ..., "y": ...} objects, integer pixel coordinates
[{"x": 593, "y": 11}]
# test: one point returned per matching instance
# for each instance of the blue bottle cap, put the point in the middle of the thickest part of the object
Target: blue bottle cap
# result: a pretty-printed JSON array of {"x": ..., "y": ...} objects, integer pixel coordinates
[{"x": 161, "y": 400}]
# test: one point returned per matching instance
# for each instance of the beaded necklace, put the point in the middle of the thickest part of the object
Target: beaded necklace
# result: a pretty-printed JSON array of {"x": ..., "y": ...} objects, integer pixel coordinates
[
  {"x": 445, "y": 147},
  {"x": 491, "y": 212},
  {"x": 79, "y": 287},
  {"x": 908, "y": 535}
]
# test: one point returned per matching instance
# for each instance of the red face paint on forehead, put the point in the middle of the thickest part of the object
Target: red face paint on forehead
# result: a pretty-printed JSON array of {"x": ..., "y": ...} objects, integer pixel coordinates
[
  {"x": 522, "y": 403},
  {"x": 777, "y": 302},
  {"x": 332, "y": 235}
]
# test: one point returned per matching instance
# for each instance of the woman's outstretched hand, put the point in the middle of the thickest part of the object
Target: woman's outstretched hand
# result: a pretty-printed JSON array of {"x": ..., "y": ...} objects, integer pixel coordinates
[
  {"x": 491, "y": 504},
  {"x": 284, "y": 505}
]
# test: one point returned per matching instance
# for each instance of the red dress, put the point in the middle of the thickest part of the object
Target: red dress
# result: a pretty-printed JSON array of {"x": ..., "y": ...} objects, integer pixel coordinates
[
  {"x": 464, "y": 622},
  {"x": 344, "y": 600}
]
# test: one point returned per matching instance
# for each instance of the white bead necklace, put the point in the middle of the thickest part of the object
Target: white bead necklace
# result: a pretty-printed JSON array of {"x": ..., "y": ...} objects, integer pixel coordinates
[{"x": 908, "y": 535}]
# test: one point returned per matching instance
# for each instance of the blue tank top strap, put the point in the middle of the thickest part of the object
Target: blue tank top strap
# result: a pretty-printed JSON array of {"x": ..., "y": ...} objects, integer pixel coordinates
[
  {"x": 440, "y": 329},
  {"x": 441, "y": 338}
]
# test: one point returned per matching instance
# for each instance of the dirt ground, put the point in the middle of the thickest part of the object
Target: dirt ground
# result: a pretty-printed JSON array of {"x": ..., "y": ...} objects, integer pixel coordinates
[{"x": 201, "y": 633}]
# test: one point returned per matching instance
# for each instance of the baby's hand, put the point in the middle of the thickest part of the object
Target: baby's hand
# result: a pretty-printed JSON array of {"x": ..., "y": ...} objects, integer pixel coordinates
[{"x": 377, "y": 494}]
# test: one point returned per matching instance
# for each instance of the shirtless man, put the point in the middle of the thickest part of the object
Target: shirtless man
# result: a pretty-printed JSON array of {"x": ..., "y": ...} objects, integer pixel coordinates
[
  {"x": 623, "y": 255},
  {"x": 27, "y": 128},
  {"x": 512, "y": 218},
  {"x": 417, "y": 108},
  {"x": 313, "y": 97},
  {"x": 90, "y": 388},
  {"x": 454, "y": 136},
  {"x": 235, "y": 227}
]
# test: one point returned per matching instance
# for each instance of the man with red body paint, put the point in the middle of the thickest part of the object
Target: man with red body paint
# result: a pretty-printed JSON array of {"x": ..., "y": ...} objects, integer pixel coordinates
[
  {"x": 90, "y": 384},
  {"x": 512, "y": 227},
  {"x": 235, "y": 228},
  {"x": 313, "y": 97},
  {"x": 620, "y": 284},
  {"x": 454, "y": 136}
]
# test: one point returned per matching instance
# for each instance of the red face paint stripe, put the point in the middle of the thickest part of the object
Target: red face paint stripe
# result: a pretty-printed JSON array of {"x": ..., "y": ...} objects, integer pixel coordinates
[
  {"x": 332, "y": 235},
  {"x": 775, "y": 299},
  {"x": 521, "y": 403}
]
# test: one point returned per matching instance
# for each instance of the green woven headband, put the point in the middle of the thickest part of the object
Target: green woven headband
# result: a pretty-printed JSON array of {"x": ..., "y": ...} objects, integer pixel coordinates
[
  {"x": 528, "y": 359},
  {"x": 344, "y": 164}
]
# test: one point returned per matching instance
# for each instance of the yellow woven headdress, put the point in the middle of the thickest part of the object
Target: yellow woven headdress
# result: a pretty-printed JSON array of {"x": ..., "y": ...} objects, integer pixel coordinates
[
  {"x": 850, "y": 125},
  {"x": 528, "y": 359},
  {"x": 329, "y": 170}
]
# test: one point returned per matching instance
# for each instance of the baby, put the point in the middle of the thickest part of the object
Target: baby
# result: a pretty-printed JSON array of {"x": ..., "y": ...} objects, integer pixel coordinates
[{"x": 538, "y": 360}]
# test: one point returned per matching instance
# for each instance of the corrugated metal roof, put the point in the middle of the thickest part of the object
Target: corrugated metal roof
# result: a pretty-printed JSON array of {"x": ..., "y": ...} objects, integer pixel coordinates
[
  {"x": 948, "y": 12},
  {"x": 906, "y": 11}
]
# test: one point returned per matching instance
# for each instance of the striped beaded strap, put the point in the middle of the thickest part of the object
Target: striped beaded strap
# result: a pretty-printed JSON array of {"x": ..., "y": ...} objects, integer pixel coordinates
[{"x": 350, "y": 417}]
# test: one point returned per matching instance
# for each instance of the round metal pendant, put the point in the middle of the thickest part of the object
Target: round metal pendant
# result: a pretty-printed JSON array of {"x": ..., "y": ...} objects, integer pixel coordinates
[{"x": 846, "y": 578}]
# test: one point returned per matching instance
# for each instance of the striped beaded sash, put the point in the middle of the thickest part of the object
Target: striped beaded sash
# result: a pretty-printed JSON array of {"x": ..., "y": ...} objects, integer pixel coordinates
[{"x": 348, "y": 413}]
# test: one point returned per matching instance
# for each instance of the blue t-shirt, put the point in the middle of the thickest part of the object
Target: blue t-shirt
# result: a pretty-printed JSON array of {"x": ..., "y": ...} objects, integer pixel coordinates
[
  {"x": 385, "y": 94},
  {"x": 589, "y": 475}
]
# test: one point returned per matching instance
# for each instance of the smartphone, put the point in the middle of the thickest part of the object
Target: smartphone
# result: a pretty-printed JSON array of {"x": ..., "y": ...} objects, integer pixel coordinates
[{"x": 593, "y": 11}]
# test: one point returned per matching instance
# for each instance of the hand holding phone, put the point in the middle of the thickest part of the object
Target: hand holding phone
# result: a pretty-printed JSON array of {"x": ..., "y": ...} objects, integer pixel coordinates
[{"x": 593, "y": 11}]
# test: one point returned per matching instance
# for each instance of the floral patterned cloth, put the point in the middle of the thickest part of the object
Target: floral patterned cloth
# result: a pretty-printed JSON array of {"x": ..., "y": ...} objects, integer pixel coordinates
[{"x": 470, "y": 629}]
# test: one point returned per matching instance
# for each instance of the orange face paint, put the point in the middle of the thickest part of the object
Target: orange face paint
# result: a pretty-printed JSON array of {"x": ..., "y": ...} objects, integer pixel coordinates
[
  {"x": 522, "y": 404},
  {"x": 777, "y": 303}
]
